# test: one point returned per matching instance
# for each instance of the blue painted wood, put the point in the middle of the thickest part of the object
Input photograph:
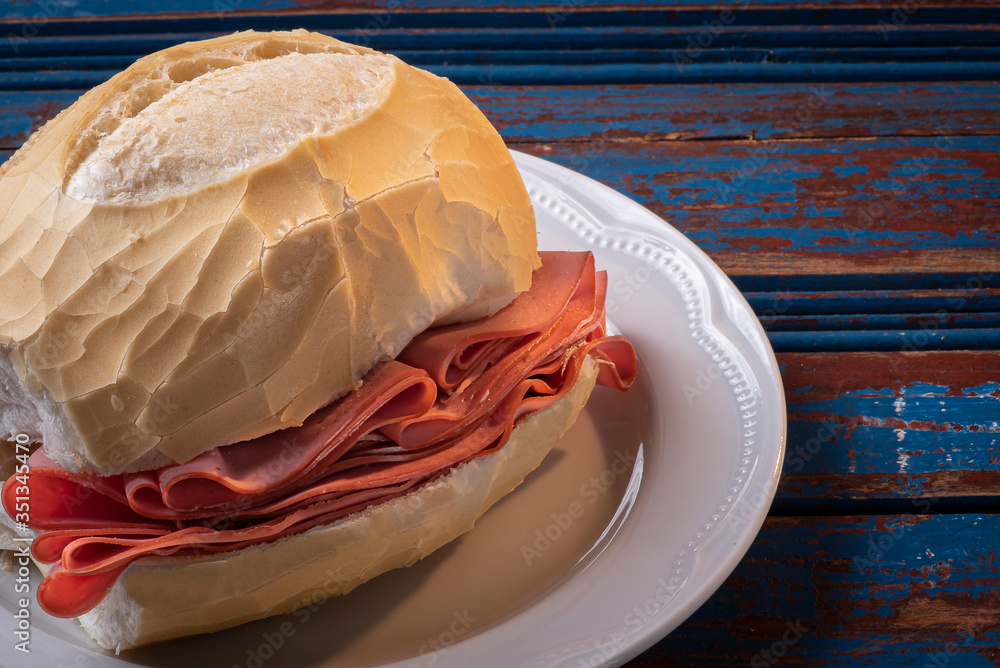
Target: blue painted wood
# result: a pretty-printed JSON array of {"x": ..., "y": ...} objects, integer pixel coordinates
[
  {"x": 924, "y": 202},
  {"x": 679, "y": 42},
  {"x": 760, "y": 111},
  {"x": 22, "y": 114},
  {"x": 965, "y": 317},
  {"x": 933, "y": 338},
  {"x": 103, "y": 8},
  {"x": 707, "y": 72},
  {"x": 955, "y": 300},
  {"x": 759, "y": 71},
  {"x": 851, "y": 591},
  {"x": 876, "y": 321},
  {"x": 180, "y": 13},
  {"x": 921, "y": 428},
  {"x": 886, "y": 426},
  {"x": 599, "y": 66},
  {"x": 501, "y": 60},
  {"x": 883, "y": 281},
  {"x": 78, "y": 80}
]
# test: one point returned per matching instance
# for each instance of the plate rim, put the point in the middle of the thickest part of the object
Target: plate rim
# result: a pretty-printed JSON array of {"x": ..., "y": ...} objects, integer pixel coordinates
[{"x": 653, "y": 632}]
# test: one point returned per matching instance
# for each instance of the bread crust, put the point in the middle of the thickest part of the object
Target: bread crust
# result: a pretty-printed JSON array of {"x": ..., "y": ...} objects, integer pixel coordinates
[
  {"x": 139, "y": 332},
  {"x": 159, "y": 598}
]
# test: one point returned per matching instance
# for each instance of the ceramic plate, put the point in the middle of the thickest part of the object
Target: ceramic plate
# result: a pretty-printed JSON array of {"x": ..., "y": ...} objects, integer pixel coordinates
[{"x": 642, "y": 510}]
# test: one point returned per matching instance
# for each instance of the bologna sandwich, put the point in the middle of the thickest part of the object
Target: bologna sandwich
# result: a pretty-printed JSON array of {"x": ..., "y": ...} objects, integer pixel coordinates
[{"x": 273, "y": 308}]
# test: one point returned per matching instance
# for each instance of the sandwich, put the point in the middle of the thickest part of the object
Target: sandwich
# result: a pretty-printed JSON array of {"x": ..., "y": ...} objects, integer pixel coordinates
[{"x": 273, "y": 321}]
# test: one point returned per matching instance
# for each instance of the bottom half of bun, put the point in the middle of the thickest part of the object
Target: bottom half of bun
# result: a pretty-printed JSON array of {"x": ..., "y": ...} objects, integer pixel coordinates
[{"x": 160, "y": 598}]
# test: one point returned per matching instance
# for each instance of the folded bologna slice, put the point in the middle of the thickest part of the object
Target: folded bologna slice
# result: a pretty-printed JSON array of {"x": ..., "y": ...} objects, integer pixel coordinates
[{"x": 372, "y": 482}]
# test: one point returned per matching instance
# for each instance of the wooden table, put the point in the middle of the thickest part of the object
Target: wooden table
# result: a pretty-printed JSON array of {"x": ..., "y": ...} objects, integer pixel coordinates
[{"x": 839, "y": 159}]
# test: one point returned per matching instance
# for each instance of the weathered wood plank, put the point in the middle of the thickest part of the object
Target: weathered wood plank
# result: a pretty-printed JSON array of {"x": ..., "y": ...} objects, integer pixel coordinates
[
  {"x": 874, "y": 426},
  {"x": 15, "y": 10},
  {"x": 877, "y": 321},
  {"x": 827, "y": 206},
  {"x": 675, "y": 112},
  {"x": 874, "y": 281},
  {"x": 817, "y": 264},
  {"x": 965, "y": 316},
  {"x": 681, "y": 39},
  {"x": 970, "y": 297},
  {"x": 762, "y": 70},
  {"x": 849, "y": 591},
  {"x": 449, "y": 55},
  {"x": 21, "y": 114},
  {"x": 935, "y": 338},
  {"x": 883, "y": 332},
  {"x": 746, "y": 111}
]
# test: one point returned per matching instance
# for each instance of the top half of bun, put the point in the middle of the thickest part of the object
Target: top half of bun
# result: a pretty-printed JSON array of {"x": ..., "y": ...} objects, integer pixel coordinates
[{"x": 227, "y": 235}]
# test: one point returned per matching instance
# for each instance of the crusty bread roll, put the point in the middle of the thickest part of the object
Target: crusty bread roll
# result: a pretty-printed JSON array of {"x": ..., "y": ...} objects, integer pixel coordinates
[
  {"x": 184, "y": 251},
  {"x": 159, "y": 598}
]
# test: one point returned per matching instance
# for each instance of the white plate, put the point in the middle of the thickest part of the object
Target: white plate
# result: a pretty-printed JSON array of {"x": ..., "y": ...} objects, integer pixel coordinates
[{"x": 643, "y": 510}]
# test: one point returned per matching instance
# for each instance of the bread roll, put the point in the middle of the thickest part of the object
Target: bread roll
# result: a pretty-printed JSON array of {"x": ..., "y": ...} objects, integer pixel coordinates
[
  {"x": 159, "y": 598},
  {"x": 227, "y": 235}
]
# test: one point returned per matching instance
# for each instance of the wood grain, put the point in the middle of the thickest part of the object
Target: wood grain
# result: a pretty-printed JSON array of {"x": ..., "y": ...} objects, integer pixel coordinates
[
  {"x": 684, "y": 37},
  {"x": 822, "y": 206},
  {"x": 869, "y": 427},
  {"x": 172, "y": 8},
  {"x": 849, "y": 591},
  {"x": 742, "y": 111},
  {"x": 758, "y": 68}
]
